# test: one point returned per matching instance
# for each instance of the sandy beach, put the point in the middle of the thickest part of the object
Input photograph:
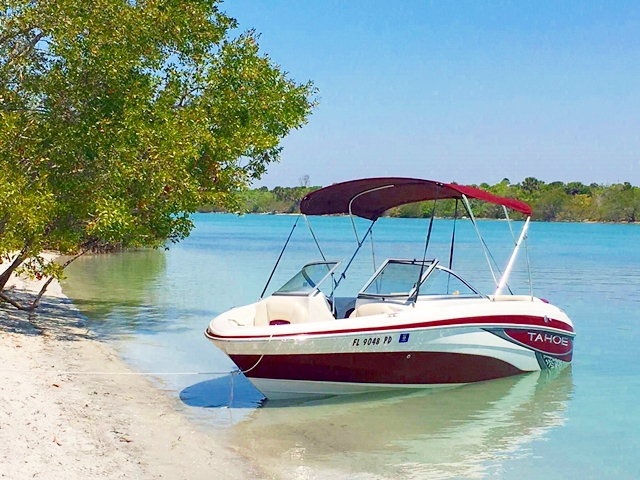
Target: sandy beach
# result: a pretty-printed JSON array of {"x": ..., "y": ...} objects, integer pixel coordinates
[{"x": 58, "y": 422}]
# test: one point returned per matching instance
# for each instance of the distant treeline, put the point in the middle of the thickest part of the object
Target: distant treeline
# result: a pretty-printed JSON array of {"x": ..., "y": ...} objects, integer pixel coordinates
[{"x": 551, "y": 202}]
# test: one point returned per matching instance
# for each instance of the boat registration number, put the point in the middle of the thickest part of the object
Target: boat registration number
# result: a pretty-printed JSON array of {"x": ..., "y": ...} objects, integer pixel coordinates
[{"x": 366, "y": 341}]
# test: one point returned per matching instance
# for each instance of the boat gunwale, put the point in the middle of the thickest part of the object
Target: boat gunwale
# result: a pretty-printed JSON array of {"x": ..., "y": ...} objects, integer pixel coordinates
[{"x": 447, "y": 323}]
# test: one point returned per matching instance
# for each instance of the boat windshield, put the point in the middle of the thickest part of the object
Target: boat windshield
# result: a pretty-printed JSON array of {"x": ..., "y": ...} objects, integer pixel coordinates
[
  {"x": 398, "y": 278},
  {"x": 444, "y": 282},
  {"x": 308, "y": 279}
]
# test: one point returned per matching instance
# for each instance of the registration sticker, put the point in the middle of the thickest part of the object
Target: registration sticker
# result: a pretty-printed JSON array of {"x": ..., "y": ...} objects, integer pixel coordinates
[{"x": 404, "y": 338}]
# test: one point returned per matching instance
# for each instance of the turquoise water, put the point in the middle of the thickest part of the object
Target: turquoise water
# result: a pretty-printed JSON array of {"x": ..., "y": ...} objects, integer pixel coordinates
[{"x": 154, "y": 306}]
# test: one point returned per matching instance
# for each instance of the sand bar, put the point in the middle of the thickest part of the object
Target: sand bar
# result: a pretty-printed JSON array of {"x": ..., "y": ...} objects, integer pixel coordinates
[{"x": 62, "y": 425}]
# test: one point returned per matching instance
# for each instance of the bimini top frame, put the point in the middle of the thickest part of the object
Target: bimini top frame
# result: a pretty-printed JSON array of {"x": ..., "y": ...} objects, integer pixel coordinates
[{"x": 370, "y": 197}]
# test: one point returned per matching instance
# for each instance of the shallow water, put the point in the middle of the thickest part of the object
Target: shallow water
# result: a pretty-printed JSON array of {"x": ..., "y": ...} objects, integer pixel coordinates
[{"x": 155, "y": 305}]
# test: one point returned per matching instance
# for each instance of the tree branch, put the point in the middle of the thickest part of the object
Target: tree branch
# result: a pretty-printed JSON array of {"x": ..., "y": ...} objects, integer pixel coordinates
[
  {"x": 3, "y": 223},
  {"x": 4, "y": 277},
  {"x": 12, "y": 302},
  {"x": 11, "y": 34},
  {"x": 30, "y": 46},
  {"x": 36, "y": 302}
]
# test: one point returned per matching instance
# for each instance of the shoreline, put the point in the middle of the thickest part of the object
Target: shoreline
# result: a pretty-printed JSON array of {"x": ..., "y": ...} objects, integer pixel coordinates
[
  {"x": 60, "y": 423},
  {"x": 578, "y": 222}
]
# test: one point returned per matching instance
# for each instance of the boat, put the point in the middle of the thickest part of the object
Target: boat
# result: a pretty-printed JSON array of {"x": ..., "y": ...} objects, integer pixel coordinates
[{"x": 416, "y": 323}]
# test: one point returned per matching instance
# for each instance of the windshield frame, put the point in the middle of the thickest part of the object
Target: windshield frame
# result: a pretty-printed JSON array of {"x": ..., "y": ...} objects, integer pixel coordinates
[
  {"x": 429, "y": 265},
  {"x": 315, "y": 289},
  {"x": 476, "y": 293}
]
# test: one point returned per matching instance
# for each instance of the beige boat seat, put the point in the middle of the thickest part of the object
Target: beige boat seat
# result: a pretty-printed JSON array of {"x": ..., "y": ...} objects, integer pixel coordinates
[
  {"x": 376, "y": 308},
  {"x": 291, "y": 309},
  {"x": 319, "y": 309}
]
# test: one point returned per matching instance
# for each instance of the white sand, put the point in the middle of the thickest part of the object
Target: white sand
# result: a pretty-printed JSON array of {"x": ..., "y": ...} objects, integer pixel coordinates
[{"x": 55, "y": 425}]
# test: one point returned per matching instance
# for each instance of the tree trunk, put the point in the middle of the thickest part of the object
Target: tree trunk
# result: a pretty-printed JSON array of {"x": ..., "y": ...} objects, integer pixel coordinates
[
  {"x": 12, "y": 302},
  {"x": 22, "y": 256},
  {"x": 36, "y": 302},
  {"x": 3, "y": 223}
]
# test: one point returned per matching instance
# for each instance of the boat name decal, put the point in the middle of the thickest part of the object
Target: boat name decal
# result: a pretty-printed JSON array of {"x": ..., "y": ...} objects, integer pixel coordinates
[
  {"x": 550, "y": 343},
  {"x": 548, "y": 338}
]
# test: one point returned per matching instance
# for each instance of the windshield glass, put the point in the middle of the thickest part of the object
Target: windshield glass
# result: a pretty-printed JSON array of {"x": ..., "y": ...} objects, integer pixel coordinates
[
  {"x": 308, "y": 279},
  {"x": 442, "y": 282},
  {"x": 397, "y": 278}
]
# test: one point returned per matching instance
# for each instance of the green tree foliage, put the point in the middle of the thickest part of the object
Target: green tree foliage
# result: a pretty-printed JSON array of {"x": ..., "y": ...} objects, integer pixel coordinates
[
  {"x": 119, "y": 118},
  {"x": 263, "y": 200},
  {"x": 556, "y": 201}
]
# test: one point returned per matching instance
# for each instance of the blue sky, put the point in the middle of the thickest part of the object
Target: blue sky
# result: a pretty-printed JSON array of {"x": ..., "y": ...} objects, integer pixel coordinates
[{"x": 458, "y": 91}]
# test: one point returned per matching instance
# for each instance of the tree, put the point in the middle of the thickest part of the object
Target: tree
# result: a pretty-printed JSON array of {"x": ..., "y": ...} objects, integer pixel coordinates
[
  {"x": 620, "y": 203},
  {"x": 118, "y": 118},
  {"x": 577, "y": 188},
  {"x": 531, "y": 184},
  {"x": 549, "y": 206}
]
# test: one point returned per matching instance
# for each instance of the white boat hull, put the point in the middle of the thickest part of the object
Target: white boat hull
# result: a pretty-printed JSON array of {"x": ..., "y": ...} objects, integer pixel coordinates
[
  {"x": 414, "y": 324},
  {"x": 290, "y": 389},
  {"x": 366, "y": 356}
]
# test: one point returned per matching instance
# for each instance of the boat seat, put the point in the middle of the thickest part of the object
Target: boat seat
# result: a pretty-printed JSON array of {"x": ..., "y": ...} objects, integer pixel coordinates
[
  {"x": 377, "y": 308},
  {"x": 320, "y": 309},
  {"x": 292, "y": 309},
  {"x": 279, "y": 308}
]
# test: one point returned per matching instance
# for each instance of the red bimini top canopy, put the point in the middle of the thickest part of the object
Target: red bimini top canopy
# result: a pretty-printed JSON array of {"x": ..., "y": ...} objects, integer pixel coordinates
[{"x": 371, "y": 197}]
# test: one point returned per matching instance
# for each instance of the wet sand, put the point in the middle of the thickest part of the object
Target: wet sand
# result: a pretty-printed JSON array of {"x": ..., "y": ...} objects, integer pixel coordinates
[{"x": 57, "y": 422}]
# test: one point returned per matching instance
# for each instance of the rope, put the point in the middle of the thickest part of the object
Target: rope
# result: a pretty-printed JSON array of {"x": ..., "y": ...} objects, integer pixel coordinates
[
  {"x": 260, "y": 359},
  {"x": 58, "y": 372},
  {"x": 235, "y": 371}
]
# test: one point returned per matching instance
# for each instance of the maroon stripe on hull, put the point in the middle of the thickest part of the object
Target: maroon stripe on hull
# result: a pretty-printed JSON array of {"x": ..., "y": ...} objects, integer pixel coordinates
[
  {"x": 407, "y": 368},
  {"x": 497, "y": 320},
  {"x": 558, "y": 346}
]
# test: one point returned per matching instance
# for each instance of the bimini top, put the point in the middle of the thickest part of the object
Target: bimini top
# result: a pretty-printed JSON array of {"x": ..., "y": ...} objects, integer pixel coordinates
[{"x": 371, "y": 197}]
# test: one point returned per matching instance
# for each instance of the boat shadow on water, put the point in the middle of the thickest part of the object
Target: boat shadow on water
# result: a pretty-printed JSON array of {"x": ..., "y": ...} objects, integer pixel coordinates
[
  {"x": 228, "y": 391},
  {"x": 461, "y": 431}
]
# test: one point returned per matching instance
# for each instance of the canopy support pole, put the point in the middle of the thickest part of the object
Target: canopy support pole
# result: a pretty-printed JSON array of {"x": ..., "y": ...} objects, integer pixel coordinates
[
  {"x": 360, "y": 243},
  {"x": 373, "y": 253},
  {"x": 353, "y": 223},
  {"x": 373, "y": 256},
  {"x": 279, "y": 257},
  {"x": 484, "y": 247},
  {"x": 506, "y": 215},
  {"x": 453, "y": 240},
  {"x": 512, "y": 260},
  {"x": 314, "y": 238},
  {"x": 453, "y": 235},
  {"x": 424, "y": 255},
  {"x": 526, "y": 249}
]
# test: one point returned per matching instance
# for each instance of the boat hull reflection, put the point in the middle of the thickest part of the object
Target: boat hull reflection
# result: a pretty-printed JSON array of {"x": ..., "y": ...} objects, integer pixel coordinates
[{"x": 457, "y": 432}]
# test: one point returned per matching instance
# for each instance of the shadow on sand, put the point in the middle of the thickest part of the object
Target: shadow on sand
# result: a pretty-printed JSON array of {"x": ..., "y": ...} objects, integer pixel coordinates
[{"x": 55, "y": 317}]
